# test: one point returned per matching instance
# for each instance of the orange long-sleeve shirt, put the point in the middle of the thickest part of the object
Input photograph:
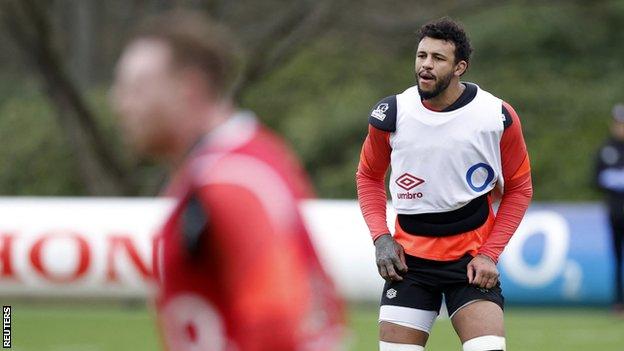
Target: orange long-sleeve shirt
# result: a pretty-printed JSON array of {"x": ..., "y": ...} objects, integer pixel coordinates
[{"x": 490, "y": 239}]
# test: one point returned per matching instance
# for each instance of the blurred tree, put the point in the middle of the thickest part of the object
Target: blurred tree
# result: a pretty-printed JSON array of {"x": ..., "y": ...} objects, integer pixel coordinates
[
  {"x": 313, "y": 70},
  {"x": 28, "y": 23},
  {"x": 30, "y": 26}
]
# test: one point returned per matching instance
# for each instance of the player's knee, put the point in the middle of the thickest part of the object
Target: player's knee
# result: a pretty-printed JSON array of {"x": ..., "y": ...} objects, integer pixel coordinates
[
  {"x": 390, "y": 346},
  {"x": 485, "y": 343}
]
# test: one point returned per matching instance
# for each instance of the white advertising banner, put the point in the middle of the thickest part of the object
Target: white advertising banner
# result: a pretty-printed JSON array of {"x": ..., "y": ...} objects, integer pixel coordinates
[
  {"x": 87, "y": 247},
  {"x": 98, "y": 247}
]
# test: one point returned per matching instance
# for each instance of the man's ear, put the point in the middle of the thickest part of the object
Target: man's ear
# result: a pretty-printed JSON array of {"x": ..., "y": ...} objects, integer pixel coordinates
[{"x": 461, "y": 67}]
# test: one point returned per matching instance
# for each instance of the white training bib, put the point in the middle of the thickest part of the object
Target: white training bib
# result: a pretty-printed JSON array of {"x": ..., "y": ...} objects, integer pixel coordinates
[{"x": 443, "y": 160}]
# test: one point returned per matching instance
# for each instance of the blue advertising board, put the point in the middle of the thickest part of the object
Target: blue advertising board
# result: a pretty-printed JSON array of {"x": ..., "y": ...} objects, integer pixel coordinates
[{"x": 561, "y": 254}]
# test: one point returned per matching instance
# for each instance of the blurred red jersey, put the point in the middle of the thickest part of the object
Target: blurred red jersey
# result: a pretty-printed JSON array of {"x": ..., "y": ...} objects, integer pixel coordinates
[{"x": 236, "y": 268}]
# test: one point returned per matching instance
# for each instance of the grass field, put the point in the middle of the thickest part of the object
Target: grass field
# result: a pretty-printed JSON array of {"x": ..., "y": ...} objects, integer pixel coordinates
[{"x": 104, "y": 328}]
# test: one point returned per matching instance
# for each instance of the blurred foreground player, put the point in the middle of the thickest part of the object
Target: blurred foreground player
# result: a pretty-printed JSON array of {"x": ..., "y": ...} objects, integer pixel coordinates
[
  {"x": 452, "y": 146},
  {"x": 610, "y": 179},
  {"x": 236, "y": 270}
]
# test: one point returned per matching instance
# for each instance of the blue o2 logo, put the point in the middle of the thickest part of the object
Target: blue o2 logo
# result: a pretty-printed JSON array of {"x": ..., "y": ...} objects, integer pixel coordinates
[{"x": 488, "y": 178}]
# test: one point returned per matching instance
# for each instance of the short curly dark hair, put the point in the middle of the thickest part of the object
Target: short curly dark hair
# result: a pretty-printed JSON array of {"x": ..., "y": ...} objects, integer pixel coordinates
[{"x": 447, "y": 29}]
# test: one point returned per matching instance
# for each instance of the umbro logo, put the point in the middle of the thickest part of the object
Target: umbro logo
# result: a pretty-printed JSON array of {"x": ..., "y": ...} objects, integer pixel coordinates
[
  {"x": 408, "y": 181},
  {"x": 391, "y": 293}
]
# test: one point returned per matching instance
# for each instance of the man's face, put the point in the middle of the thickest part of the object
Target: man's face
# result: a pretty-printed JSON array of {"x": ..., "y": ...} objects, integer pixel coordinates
[
  {"x": 144, "y": 94},
  {"x": 435, "y": 66}
]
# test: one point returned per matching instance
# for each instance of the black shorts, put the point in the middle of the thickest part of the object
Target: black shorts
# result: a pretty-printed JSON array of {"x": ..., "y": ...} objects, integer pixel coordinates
[{"x": 427, "y": 281}]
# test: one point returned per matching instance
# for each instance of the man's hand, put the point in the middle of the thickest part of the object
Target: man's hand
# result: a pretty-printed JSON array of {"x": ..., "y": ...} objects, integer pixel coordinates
[
  {"x": 482, "y": 272},
  {"x": 389, "y": 255}
]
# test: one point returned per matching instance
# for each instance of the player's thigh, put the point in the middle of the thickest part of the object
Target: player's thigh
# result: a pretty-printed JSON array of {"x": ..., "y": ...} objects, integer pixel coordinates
[
  {"x": 407, "y": 313},
  {"x": 478, "y": 318},
  {"x": 394, "y": 333},
  {"x": 617, "y": 232},
  {"x": 475, "y": 311}
]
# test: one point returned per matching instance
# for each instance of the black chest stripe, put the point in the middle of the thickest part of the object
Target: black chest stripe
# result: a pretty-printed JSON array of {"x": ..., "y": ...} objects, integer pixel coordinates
[{"x": 467, "y": 218}]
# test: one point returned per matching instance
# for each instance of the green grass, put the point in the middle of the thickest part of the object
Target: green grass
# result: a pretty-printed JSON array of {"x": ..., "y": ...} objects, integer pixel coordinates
[
  {"x": 102, "y": 328},
  {"x": 82, "y": 328},
  {"x": 530, "y": 329}
]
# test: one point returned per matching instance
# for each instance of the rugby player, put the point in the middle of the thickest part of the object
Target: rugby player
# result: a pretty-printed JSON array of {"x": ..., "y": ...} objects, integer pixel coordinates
[
  {"x": 453, "y": 149},
  {"x": 236, "y": 269}
]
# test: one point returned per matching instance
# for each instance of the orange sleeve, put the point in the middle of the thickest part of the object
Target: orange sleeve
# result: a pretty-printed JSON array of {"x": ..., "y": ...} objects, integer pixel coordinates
[
  {"x": 256, "y": 264},
  {"x": 518, "y": 188},
  {"x": 514, "y": 155},
  {"x": 370, "y": 176}
]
